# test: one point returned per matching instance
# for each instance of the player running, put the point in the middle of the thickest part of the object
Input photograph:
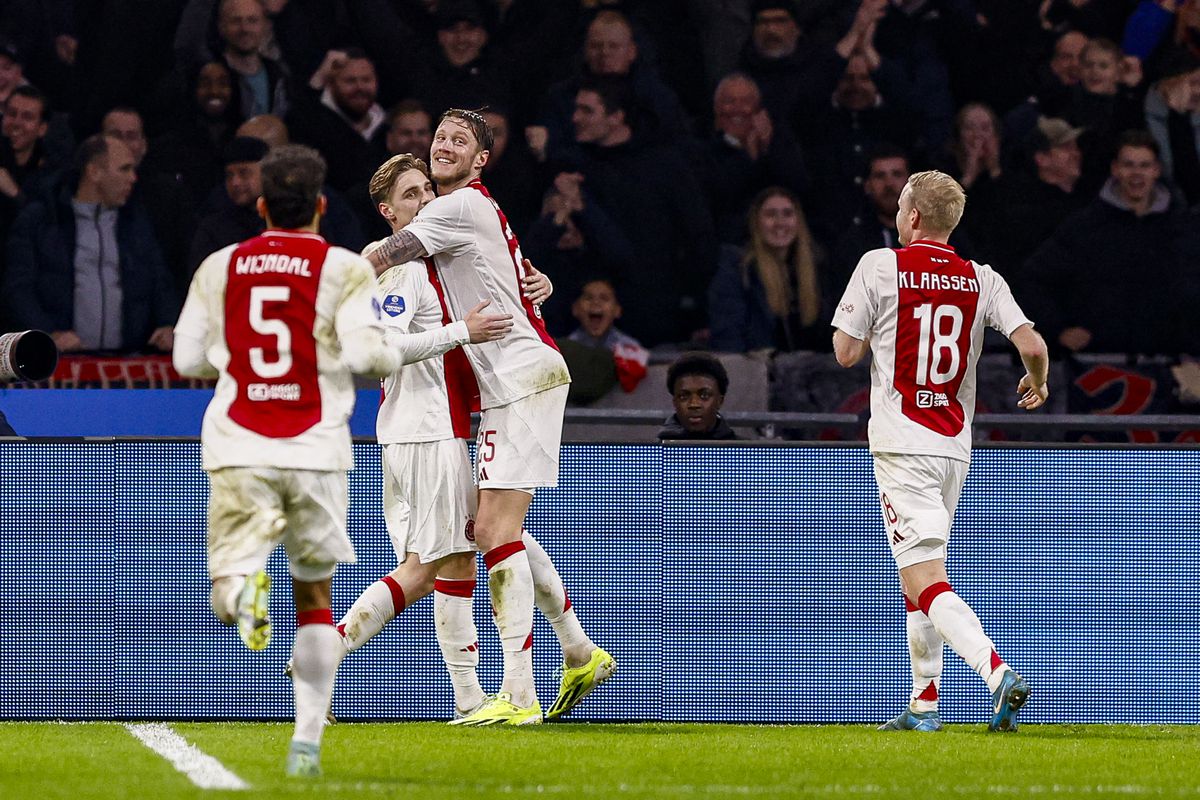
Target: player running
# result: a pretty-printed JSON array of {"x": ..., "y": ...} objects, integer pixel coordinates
[
  {"x": 921, "y": 310},
  {"x": 523, "y": 388},
  {"x": 282, "y": 320}
]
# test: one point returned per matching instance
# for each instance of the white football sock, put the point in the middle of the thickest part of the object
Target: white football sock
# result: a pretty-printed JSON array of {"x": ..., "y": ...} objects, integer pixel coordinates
[
  {"x": 510, "y": 584},
  {"x": 551, "y": 598},
  {"x": 375, "y": 607},
  {"x": 315, "y": 657},
  {"x": 925, "y": 656},
  {"x": 454, "y": 621},
  {"x": 961, "y": 629}
]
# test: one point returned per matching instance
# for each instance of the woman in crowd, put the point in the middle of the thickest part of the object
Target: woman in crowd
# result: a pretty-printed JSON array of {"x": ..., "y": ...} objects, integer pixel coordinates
[{"x": 768, "y": 296}]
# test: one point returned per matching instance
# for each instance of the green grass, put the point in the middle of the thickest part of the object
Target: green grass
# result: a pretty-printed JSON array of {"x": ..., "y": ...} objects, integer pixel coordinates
[{"x": 414, "y": 761}]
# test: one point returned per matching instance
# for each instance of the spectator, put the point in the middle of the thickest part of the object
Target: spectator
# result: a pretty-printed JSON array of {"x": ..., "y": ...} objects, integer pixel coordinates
[
  {"x": 1055, "y": 82},
  {"x": 24, "y": 162},
  {"x": 164, "y": 195},
  {"x": 461, "y": 72},
  {"x": 262, "y": 82},
  {"x": 511, "y": 173},
  {"x": 12, "y": 71},
  {"x": 23, "y": 154},
  {"x": 697, "y": 383},
  {"x": 859, "y": 117},
  {"x": 792, "y": 77},
  {"x": 976, "y": 149},
  {"x": 1118, "y": 254},
  {"x": 409, "y": 129},
  {"x": 597, "y": 311},
  {"x": 874, "y": 226},
  {"x": 574, "y": 239},
  {"x": 1104, "y": 104},
  {"x": 769, "y": 297},
  {"x": 84, "y": 265},
  {"x": 191, "y": 149},
  {"x": 1173, "y": 118},
  {"x": 748, "y": 153},
  {"x": 340, "y": 224},
  {"x": 1029, "y": 204},
  {"x": 610, "y": 52},
  {"x": 650, "y": 195},
  {"x": 345, "y": 124},
  {"x": 236, "y": 217}
]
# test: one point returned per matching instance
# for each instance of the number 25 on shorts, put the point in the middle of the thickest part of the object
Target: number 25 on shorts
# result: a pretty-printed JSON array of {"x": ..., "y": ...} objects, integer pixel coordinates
[{"x": 486, "y": 446}]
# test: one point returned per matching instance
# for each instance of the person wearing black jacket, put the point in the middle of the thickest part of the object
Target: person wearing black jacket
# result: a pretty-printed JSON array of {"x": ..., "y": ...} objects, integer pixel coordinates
[
  {"x": 653, "y": 199},
  {"x": 84, "y": 264},
  {"x": 1110, "y": 279},
  {"x": 697, "y": 383}
]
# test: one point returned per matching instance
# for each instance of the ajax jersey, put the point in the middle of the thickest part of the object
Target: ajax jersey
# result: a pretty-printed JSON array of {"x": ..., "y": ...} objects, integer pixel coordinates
[
  {"x": 431, "y": 397},
  {"x": 477, "y": 257},
  {"x": 924, "y": 309},
  {"x": 272, "y": 313}
]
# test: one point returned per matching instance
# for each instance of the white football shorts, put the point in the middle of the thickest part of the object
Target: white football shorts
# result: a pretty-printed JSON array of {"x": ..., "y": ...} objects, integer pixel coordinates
[
  {"x": 518, "y": 444},
  {"x": 252, "y": 510},
  {"x": 918, "y": 496},
  {"x": 429, "y": 499}
]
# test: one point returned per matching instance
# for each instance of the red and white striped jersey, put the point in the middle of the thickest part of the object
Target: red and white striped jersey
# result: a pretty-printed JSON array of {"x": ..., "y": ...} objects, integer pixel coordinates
[
  {"x": 478, "y": 258},
  {"x": 431, "y": 397},
  {"x": 924, "y": 309},
  {"x": 276, "y": 317}
]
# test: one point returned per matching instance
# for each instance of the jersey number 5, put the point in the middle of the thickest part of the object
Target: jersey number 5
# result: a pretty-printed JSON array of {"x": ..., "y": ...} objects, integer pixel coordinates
[
  {"x": 938, "y": 357},
  {"x": 277, "y": 328}
]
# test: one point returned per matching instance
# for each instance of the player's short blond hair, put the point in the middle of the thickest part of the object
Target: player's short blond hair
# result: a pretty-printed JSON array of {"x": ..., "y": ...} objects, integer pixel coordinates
[
  {"x": 939, "y": 198},
  {"x": 384, "y": 179}
]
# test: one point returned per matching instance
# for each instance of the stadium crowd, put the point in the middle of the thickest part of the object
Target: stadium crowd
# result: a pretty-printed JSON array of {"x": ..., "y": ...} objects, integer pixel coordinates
[{"x": 718, "y": 166}]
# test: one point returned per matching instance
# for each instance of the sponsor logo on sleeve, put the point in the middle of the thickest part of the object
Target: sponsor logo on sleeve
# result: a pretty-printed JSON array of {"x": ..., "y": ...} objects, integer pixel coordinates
[{"x": 393, "y": 304}]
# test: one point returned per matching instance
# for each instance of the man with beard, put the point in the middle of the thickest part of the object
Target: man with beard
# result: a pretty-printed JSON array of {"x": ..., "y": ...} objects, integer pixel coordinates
[
  {"x": 522, "y": 382},
  {"x": 345, "y": 122},
  {"x": 875, "y": 224},
  {"x": 262, "y": 82}
]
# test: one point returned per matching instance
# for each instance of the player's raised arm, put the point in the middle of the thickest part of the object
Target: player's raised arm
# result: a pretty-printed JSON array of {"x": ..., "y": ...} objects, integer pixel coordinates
[{"x": 1033, "y": 386}]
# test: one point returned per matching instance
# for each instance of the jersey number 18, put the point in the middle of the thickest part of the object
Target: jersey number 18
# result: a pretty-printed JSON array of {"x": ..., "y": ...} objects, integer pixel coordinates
[{"x": 938, "y": 356}]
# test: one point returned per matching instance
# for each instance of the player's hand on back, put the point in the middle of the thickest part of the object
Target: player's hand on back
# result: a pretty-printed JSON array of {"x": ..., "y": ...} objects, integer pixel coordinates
[
  {"x": 535, "y": 285},
  {"x": 1031, "y": 396},
  {"x": 487, "y": 327}
]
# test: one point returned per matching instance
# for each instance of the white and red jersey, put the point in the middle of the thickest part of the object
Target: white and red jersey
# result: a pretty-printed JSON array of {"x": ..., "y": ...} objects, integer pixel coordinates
[
  {"x": 431, "y": 397},
  {"x": 478, "y": 258},
  {"x": 924, "y": 309},
  {"x": 272, "y": 316}
]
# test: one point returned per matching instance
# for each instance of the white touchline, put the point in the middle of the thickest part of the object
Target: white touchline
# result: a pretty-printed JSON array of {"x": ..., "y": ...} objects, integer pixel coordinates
[{"x": 199, "y": 767}]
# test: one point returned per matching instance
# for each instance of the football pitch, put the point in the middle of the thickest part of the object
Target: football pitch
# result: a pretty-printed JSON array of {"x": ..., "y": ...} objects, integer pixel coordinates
[{"x": 655, "y": 760}]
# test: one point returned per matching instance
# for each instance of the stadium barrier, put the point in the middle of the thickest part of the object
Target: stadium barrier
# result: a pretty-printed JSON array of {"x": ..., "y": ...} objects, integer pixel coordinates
[{"x": 732, "y": 583}]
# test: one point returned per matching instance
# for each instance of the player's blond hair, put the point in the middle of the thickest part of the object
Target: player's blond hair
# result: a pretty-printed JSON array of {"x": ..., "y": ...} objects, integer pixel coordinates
[
  {"x": 939, "y": 198},
  {"x": 384, "y": 179}
]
